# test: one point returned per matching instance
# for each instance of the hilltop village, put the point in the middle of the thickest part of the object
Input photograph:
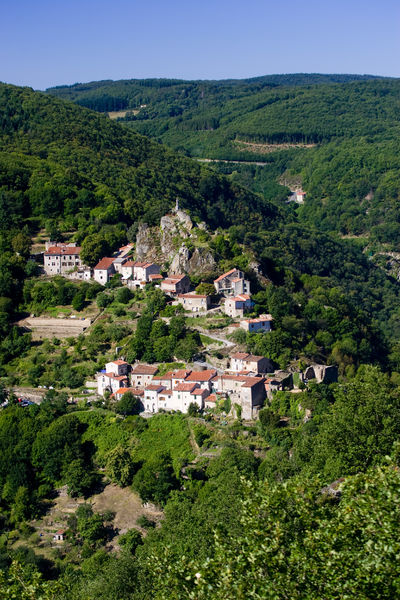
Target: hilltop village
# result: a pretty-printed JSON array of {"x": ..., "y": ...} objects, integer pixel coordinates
[{"x": 248, "y": 381}]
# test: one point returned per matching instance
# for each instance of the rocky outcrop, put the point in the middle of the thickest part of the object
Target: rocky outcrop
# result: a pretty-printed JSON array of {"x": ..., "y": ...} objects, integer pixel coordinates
[{"x": 170, "y": 244}]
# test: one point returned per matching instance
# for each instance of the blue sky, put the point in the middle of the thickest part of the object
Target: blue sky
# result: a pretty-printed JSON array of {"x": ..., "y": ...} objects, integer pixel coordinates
[{"x": 53, "y": 42}]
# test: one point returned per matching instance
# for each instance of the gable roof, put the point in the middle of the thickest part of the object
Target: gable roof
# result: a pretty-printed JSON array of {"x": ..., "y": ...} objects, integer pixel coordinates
[
  {"x": 221, "y": 277},
  {"x": 201, "y": 375},
  {"x": 124, "y": 390},
  {"x": 55, "y": 250},
  {"x": 105, "y": 263},
  {"x": 154, "y": 388},
  {"x": 144, "y": 370},
  {"x": 185, "y": 387}
]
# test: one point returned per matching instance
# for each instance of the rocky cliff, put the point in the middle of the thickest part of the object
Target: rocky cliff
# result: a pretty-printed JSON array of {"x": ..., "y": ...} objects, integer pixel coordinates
[{"x": 175, "y": 245}]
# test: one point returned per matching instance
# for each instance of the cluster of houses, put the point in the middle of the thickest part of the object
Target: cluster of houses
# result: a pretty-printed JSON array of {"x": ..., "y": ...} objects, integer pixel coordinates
[
  {"x": 247, "y": 382},
  {"x": 64, "y": 259}
]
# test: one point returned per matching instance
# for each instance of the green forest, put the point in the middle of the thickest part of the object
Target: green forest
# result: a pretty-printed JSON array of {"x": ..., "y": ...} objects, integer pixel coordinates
[
  {"x": 338, "y": 136},
  {"x": 284, "y": 507}
]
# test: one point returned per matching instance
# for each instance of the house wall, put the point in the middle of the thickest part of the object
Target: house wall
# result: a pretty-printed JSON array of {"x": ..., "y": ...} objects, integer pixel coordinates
[
  {"x": 140, "y": 380},
  {"x": 102, "y": 275}
]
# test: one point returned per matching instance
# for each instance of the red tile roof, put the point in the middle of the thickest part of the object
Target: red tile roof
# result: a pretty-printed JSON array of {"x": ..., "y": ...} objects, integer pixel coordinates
[
  {"x": 156, "y": 276},
  {"x": 105, "y": 263},
  {"x": 240, "y": 355},
  {"x": 252, "y": 381},
  {"x": 239, "y": 298},
  {"x": 225, "y": 275},
  {"x": 154, "y": 388},
  {"x": 144, "y": 370},
  {"x": 200, "y": 392},
  {"x": 189, "y": 295},
  {"x": 54, "y": 250},
  {"x": 119, "y": 362},
  {"x": 180, "y": 374},
  {"x": 212, "y": 398},
  {"x": 201, "y": 375},
  {"x": 118, "y": 377},
  {"x": 185, "y": 387},
  {"x": 124, "y": 390}
]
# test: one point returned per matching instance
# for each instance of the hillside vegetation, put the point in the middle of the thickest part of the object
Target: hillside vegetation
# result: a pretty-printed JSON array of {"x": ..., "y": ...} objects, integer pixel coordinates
[
  {"x": 303, "y": 502},
  {"x": 351, "y": 175}
]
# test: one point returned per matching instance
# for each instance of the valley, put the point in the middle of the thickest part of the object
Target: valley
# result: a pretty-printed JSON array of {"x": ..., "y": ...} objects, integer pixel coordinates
[{"x": 201, "y": 298}]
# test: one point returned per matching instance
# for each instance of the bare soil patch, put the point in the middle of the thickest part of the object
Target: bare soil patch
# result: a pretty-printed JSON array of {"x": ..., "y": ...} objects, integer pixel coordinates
[
  {"x": 268, "y": 148},
  {"x": 126, "y": 505},
  {"x": 43, "y": 327}
]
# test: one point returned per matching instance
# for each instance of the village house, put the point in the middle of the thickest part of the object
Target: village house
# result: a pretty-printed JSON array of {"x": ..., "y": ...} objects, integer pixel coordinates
[
  {"x": 187, "y": 393},
  {"x": 164, "y": 399},
  {"x": 142, "y": 375},
  {"x": 64, "y": 259},
  {"x": 176, "y": 284},
  {"x": 236, "y": 306},
  {"x": 298, "y": 196},
  {"x": 117, "y": 367},
  {"x": 104, "y": 270},
  {"x": 108, "y": 382},
  {"x": 211, "y": 401},
  {"x": 257, "y": 325},
  {"x": 125, "y": 390},
  {"x": 137, "y": 274},
  {"x": 205, "y": 378},
  {"x": 248, "y": 392},
  {"x": 151, "y": 393},
  {"x": 232, "y": 283},
  {"x": 194, "y": 302},
  {"x": 59, "y": 535},
  {"x": 242, "y": 361}
]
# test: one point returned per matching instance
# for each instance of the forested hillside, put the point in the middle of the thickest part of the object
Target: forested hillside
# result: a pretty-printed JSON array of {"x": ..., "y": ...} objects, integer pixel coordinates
[
  {"x": 338, "y": 134},
  {"x": 303, "y": 502}
]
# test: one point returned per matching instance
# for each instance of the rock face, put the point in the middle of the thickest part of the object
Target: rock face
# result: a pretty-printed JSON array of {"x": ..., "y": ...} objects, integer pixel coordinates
[{"x": 170, "y": 244}]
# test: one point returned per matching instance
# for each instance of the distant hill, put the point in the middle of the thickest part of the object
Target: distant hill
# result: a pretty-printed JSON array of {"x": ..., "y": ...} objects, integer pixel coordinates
[
  {"x": 338, "y": 133},
  {"x": 65, "y": 162}
]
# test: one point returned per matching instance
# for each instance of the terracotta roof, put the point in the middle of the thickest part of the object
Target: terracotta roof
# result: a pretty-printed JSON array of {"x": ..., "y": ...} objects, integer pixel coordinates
[
  {"x": 240, "y": 355},
  {"x": 185, "y": 387},
  {"x": 144, "y": 370},
  {"x": 189, "y": 295},
  {"x": 119, "y": 362},
  {"x": 176, "y": 277},
  {"x": 252, "y": 381},
  {"x": 173, "y": 280},
  {"x": 259, "y": 319},
  {"x": 201, "y": 375},
  {"x": 199, "y": 392},
  {"x": 239, "y": 298},
  {"x": 124, "y": 390},
  {"x": 253, "y": 358},
  {"x": 180, "y": 374},
  {"x": 105, "y": 263},
  {"x": 129, "y": 263},
  {"x": 156, "y": 276},
  {"x": 53, "y": 250},
  {"x": 165, "y": 377},
  {"x": 212, "y": 398},
  {"x": 236, "y": 279},
  {"x": 165, "y": 393},
  {"x": 225, "y": 275},
  {"x": 154, "y": 388},
  {"x": 118, "y": 377}
]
